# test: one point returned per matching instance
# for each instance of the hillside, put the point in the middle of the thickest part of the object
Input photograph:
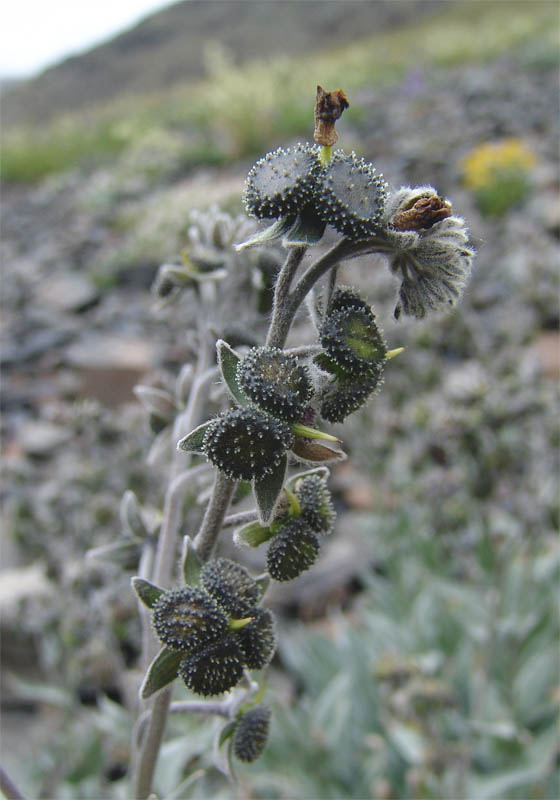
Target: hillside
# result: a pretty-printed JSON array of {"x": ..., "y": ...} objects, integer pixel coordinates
[{"x": 171, "y": 47}]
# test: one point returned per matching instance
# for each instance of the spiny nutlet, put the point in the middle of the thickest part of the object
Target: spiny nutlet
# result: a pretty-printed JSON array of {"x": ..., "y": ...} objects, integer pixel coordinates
[
  {"x": 342, "y": 398},
  {"x": 245, "y": 443},
  {"x": 251, "y": 733},
  {"x": 316, "y": 504},
  {"x": 230, "y": 585},
  {"x": 351, "y": 196},
  {"x": 293, "y": 550},
  {"x": 257, "y": 640},
  {"x": 215, "y": 669},
  {"x": 282, "y": 182},
  {"x": 188, "y": 619},
  {"x": 353, "y": 340},
  {"x": 276, "y": 382},
  {"x": 346, "y": 297}
]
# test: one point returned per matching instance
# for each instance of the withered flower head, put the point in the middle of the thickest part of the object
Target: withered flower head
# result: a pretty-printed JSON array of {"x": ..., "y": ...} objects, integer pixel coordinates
[
  {"x": 328, "y": 108},
  {"x": 428, "y": 250}
]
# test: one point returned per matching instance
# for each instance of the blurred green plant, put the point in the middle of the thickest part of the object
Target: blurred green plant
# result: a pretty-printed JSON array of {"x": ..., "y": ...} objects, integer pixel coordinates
[
  {"x": 241, "y": 111},
  {"x": 499, "y": 175}
]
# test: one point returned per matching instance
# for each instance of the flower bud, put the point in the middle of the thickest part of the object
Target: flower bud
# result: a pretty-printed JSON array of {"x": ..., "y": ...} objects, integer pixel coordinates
[
  {"x": 251, "y": 733},
  {"x": 231, "y": 586},
  {"x": 188, "y": 618},
  {"x": 245, "y": 443},
  {"x": 293, "y": 550},
  {"x": 215, "y": 669},
  {"x": 276, "y": 382}
]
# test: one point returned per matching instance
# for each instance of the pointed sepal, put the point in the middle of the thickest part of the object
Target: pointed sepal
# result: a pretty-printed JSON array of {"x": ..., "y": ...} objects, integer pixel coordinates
[
  {"x": 252, "y": 535},
  {"x": 228, "y": 360},
  {"x": 268, "y": 491},
  {"x": 147, "y": 592},
  {"x": 307, "y": 230},
  {"x": 312, "y": 433},
  {"x": 193, "y": 442},
  {"x": 124, "y": 552},
  {"x": 131, "y": 517},
  {"x": 270, "y": 234},
  {"x": 161, "y": 672}
]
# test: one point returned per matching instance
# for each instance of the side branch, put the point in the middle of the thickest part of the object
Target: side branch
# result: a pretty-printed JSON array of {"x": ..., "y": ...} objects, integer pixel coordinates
[{"x": 216, "y": 510}]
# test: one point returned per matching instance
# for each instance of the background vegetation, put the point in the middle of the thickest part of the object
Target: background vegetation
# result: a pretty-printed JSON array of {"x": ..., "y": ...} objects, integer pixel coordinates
[{"x": 420, "y": 658}]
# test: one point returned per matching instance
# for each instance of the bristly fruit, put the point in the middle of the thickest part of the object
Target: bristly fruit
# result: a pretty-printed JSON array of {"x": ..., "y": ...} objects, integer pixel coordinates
[
  {"x": 257, "y": 640},
  {"x": 345, "y": 297},
  {"x": 188, "y": 618},
  {"x": 282, "y": 182},
  {"x": 245, "y": 443},
  {"x": 214, "y": 669},
  {"x": 251, "y": 733},
  {"x": 316, "y": 504},
  {"x": 352, "y": 340},
  {"x": 293, "y": 550},
  {"x": 276, "y": 382},
  {"x": 344, "y": 396},
  {"x": 352, "y": 196},
  {"x": 231, "y": 586}
]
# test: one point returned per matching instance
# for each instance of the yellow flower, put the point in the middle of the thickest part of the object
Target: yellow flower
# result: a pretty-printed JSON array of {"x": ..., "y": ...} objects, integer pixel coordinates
[{"x": 487, "y": 161}]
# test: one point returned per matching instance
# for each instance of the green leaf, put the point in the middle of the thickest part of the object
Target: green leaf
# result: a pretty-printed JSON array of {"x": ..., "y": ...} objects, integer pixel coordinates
[
  {"x": 270, "y": 234},
  {"x": 226, "y": 732},
  {"x": 193, "y": 441},
  {"x": 268, "y": 490},
  {"x": 161, "y": 672},
  {"x": 252, "y": 534},
  {"x": 147, "y": 592},
  {"x": 308, "y": 229},
  {"x": 124, "y": 552},
  {"x": 190, "y": 563},
  {"x": 228, "y": 360},
  {"x": 131, "y": 517}
]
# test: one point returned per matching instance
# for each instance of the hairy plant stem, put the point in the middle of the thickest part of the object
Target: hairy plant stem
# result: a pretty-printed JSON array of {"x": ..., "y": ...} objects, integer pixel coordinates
[
  {"x": 286, "y": 304},
  {"x": 8, "y": 787},
  {"x": 207, "y": 536}
]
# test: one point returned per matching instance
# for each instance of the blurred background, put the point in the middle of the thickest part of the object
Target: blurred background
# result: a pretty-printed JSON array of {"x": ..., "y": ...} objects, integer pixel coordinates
[{"x": 419, "y": 658}]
